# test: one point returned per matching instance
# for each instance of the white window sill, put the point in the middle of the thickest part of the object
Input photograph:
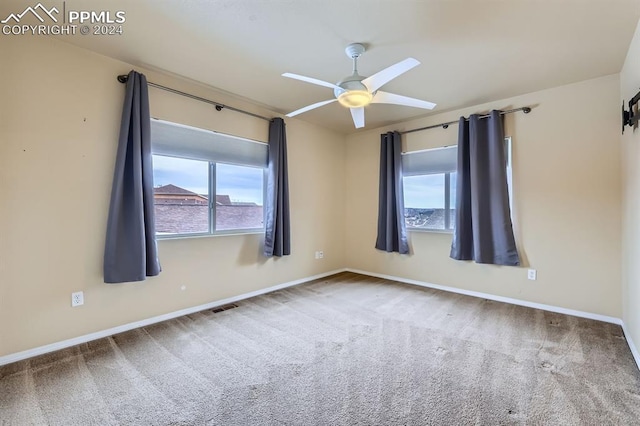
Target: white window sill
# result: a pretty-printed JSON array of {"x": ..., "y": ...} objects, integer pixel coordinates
[
  {"x": 229, "y": 233},
  {"x": 434, "y": 231}
]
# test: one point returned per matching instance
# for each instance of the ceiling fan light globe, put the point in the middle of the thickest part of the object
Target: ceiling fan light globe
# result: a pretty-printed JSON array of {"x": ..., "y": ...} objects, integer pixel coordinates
[{"x": 355, "y": 98}]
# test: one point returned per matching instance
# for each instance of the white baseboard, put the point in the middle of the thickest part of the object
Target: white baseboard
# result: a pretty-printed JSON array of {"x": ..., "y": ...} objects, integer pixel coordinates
[
  {"x": 632, "y": 346},
  {"x": 19, "y": 356}
]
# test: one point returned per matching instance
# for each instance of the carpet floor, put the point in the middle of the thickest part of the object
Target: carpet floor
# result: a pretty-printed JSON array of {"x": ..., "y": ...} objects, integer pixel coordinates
[{"x": 344, "y": 350}]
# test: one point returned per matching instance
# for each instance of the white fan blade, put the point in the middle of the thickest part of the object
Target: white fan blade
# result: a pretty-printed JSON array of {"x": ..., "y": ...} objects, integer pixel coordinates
[
  {"x": 391, "y": 98},
  {"x": 310, "y": 107},
  {"x": 311, "y": 80},
  {"x": 358, "y": 116},
  {"x": 381, "y": 78}
]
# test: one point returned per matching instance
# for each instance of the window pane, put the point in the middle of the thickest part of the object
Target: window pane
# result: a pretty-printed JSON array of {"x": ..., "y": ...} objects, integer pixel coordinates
[
  {"x": 239, "y": 197},
  {"x": 424, "y": 201},
  {"x": 452, "y": 200},
  {"x": 181, "y": 195}
]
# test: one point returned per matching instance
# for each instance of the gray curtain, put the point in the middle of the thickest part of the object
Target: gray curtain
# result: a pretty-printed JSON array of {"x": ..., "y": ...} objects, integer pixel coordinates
[
  {"x": 392, "y": 231},
  {"x": 130, "y": 252},
  {"x": 483, "y": 230},
  {"x": 277, "y": 240}
]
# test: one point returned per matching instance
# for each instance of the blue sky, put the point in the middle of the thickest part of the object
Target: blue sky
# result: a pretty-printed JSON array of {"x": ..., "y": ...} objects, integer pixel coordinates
[{"x": 242, "y": 184}]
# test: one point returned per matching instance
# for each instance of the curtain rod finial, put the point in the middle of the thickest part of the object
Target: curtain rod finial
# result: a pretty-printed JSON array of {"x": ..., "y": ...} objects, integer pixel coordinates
[{"x": 123, "y": 78}]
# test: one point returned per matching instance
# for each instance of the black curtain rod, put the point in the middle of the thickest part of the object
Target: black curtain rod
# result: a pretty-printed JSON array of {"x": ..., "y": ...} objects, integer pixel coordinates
[
  {"x": 123, "y": 79},
  {"x": 526, "y": 110}
]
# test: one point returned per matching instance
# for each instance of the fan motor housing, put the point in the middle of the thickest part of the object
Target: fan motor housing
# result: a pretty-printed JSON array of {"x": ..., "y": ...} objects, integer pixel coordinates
[{"x": 353, "y": 82}]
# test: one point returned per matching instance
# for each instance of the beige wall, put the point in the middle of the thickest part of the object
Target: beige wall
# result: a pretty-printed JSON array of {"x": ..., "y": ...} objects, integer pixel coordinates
[
  {"x": 59, "y": 125},
  {"x": 629, "y": 86},
  {"x": 566, "y": 180}
]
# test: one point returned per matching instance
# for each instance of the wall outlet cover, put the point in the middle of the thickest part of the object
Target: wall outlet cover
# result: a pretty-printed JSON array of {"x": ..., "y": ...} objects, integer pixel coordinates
[{"x": 77, "y": 299}]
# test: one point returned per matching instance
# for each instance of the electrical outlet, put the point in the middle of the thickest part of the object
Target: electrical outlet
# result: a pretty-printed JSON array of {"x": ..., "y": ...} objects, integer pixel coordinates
[
  {"x": 319, "y": 254},
  {"x": 77, "y": 299},
  {"x": 532, "y": 274}
]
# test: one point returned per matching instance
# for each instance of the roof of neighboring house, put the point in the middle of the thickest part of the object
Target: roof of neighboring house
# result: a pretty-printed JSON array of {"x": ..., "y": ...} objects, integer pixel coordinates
[
  {"x": 172, "y": 190},
  {"x": 223, "y": 200}
]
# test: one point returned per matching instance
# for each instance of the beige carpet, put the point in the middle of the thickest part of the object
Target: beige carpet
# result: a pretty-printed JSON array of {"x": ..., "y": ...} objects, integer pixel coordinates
[{"x": 346, "y": 350}]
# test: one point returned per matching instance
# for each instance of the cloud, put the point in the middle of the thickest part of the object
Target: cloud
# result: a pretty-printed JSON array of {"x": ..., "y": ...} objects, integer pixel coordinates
[
  {"x": 427, "y": 191},
  {"x": 188, "y": 174},
  {"x": 244, "y": 184}
]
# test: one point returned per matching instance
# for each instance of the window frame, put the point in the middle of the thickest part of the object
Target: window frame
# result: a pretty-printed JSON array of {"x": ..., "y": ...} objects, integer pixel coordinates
[
  {"x": 449, "y": 227},
  {"x": 212, "y": 186},
  {"x": 212, "y": 202},
  {"x": 211, "y": 206}
]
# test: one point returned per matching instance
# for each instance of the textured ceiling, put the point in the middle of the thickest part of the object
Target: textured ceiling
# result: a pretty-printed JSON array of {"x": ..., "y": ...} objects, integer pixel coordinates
[{"x": 472, "y": 51}]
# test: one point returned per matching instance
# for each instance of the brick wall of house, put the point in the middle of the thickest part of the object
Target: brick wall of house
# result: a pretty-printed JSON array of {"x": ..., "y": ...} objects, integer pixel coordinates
[
  {"x": 238, "y": 217},
  {"x": 190, "y": 218}
]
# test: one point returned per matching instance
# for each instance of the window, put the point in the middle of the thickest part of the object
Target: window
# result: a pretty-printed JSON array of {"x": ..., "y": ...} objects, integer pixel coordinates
[
  {"x": 181, "y": 195},
  {"x": 429, "y": 181},
  {"x": 429, "y": 202},
  {"x": 239, "y": 196},
  {"x": 206, "y": 182}
]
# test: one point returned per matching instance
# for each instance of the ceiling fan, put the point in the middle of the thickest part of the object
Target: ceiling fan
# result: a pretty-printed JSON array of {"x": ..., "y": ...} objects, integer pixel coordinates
[{"x": 355, "y": 91}]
